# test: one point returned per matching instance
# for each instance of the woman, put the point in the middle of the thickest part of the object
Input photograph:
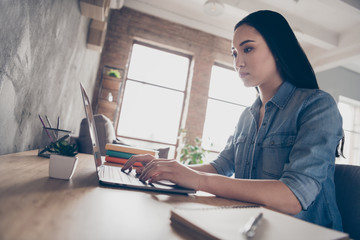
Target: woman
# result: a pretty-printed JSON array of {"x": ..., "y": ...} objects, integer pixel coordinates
[{"x": 283, "y": 148}]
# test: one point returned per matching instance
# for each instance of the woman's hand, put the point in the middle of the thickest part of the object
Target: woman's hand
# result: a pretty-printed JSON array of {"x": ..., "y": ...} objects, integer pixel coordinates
[
  {"x": 163, "y": 169},
  {"x": 142, "y": 158}
]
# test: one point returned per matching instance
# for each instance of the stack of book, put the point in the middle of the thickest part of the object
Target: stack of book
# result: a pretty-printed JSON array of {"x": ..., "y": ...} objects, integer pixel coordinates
[{"x": 120, "y": 154}]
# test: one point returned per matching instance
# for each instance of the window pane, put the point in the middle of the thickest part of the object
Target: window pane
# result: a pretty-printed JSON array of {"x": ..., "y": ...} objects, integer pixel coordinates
[
  {"x": 351, "y": 149},
  {"x": 222, "y": 117},
  {"x": 226, "y": 85},
  {"x": 350, "y": 112},
  {"x": 150, "y": 113},
  {"x": 158, "y": 67},
  {"x": 220, "y": 122},
  {"x": 347, "y": 112}
]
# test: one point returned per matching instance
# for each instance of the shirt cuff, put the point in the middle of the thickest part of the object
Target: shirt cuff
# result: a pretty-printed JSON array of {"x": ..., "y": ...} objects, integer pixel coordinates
[
  {"x": 217, "y": 167},
  {"x": 304, "y": 188}
]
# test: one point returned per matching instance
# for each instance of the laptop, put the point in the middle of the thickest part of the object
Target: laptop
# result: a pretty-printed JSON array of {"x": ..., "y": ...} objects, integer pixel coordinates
[{"x": 110, "y": 174}]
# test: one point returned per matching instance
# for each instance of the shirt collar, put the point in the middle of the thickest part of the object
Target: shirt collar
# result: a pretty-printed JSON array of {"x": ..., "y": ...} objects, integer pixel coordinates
[
  {"x": 283, "y": 95},
  {"x": 280, "y": 99}
]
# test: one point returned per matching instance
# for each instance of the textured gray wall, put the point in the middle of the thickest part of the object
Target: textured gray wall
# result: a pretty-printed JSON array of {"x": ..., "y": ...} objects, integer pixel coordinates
[
  {"x": 43, "y": 58},
  {"x": 340, "y": 81}
]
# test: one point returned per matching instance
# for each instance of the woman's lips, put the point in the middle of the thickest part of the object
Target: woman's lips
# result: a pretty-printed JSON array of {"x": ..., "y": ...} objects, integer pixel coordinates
[{"x": 243, "y": 74}]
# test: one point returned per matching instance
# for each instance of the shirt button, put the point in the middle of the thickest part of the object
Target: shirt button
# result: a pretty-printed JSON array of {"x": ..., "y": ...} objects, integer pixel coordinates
[{"x": 247, "y": 163}]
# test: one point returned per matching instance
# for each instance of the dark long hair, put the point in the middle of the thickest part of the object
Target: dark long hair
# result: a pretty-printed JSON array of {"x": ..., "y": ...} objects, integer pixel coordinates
[{"x": 291, "y": 61}]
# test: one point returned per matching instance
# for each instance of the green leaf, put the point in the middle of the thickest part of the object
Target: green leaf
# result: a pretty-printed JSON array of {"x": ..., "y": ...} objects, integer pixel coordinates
[
  {"x": 63, "y": 148},
  {"x": 114, "y": 73},
  {"x": 193, "y": 154}
]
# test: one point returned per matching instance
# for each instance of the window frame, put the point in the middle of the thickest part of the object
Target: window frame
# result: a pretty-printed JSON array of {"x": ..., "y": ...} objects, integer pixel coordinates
[{"x": 185, "y": 91}]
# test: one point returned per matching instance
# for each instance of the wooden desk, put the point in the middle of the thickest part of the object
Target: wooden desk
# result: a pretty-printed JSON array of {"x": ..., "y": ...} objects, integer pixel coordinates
[{"x": 34, "y": 206}]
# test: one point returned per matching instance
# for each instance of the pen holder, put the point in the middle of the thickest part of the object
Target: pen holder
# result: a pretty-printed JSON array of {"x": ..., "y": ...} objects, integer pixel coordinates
[{"x": 49, "y": 136}]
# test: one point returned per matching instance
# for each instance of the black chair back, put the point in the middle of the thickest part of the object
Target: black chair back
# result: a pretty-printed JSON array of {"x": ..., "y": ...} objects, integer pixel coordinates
[{"x": 347, "y": 183}]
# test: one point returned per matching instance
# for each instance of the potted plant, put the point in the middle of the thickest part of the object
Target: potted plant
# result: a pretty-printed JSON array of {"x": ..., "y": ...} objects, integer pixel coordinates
[
  {"x": 63, "y": 160},
  {"x": 193, "y": 154},
  {"x": 114, "y": 73}
]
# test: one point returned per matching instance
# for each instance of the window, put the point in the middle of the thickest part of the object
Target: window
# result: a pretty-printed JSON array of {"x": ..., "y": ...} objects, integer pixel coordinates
[
  {"x": 350, "y": 111},
  {"x": 154, "y": 97},
  {"x": 228, "y": 97}
]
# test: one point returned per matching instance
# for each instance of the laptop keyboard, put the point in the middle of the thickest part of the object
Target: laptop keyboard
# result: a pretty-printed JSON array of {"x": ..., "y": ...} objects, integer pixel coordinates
[
  {"x": 117, "y": 175},
  {"x": 114, "y": 176}
]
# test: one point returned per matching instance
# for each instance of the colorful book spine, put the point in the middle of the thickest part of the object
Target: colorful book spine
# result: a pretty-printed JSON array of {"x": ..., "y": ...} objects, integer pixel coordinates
[
  {"x": 125, "y": 155},
  {"x": 120, "y": 160},
  {"x": 128, "y": 149}
]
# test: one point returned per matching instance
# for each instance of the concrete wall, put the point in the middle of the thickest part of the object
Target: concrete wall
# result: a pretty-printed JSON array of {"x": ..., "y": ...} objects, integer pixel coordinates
[
  {"x": 43, "y": 58},
  {"x": 340, "y": 81}
]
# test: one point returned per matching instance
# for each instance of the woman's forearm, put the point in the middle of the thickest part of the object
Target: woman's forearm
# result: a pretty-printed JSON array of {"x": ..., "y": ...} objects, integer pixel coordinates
[
  {"x": 208, "y": 168},
  {"x": 270, "y": 193}
]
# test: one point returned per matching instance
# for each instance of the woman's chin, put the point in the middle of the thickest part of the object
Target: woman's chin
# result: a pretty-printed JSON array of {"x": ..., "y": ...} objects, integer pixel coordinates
[{"x": 248, "y": 83}]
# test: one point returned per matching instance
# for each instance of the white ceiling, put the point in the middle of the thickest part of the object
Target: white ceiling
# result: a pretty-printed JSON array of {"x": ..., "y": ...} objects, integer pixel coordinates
[{"x": 328, "y": 30}]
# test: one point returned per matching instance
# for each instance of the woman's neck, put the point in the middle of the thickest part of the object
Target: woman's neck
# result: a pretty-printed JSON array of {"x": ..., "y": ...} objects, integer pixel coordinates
[{"x": 267, "y": 91}]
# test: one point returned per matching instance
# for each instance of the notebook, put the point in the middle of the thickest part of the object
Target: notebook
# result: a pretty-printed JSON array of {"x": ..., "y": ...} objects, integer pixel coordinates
[
  {"x": 229, "y": 222},
  {"x": 109, "y": 174}
]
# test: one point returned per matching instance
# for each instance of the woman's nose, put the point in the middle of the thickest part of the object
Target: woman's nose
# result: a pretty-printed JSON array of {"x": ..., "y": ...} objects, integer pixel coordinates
[{"x": 239, "y": 62}]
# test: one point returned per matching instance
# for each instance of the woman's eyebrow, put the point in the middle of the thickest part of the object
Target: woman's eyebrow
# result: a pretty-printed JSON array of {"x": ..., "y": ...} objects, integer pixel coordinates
[{"x": 246, "y": 41}]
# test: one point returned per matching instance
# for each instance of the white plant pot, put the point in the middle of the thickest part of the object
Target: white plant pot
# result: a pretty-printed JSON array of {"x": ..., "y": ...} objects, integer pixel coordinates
[{"x": 62, "y": 167}]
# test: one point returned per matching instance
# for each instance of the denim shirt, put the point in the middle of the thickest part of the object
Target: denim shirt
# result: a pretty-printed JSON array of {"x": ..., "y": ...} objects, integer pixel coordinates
[{"x": 295, "y": 144}]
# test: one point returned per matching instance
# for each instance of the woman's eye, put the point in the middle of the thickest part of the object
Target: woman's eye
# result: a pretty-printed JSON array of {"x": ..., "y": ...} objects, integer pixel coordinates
[{"x": 248, "y": 49}]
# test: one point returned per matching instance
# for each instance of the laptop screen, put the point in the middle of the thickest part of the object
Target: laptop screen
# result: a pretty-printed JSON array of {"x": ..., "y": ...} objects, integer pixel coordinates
[{"x": 92, "y": 128}]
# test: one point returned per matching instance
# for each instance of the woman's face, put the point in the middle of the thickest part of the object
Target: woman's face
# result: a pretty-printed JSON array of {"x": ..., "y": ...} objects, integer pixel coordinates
[{"x": 253, "y": 59}]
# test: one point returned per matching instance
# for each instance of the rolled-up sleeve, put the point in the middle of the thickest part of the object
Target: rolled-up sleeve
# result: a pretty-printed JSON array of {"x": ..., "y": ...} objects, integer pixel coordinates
[
  {"x": 224, "y": 163},
  {"x": 312, "y": 157}
]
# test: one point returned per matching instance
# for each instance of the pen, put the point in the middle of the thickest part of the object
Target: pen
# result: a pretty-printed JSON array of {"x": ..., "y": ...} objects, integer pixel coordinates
[
  {"x": 42, "y": 122},
  {"x": 48, "y": 121},
  {"x": 58, "y": 123},
  {"x": 54, "y": 133},
  {"x": 250, "y": 227},
  {"x": 57, "y": 127}
]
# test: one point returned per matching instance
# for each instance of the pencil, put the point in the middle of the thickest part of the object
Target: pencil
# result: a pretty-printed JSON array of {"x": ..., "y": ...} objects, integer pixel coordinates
[
  {"x": 42, "y": 122},
  {"x": 58, "y": 123},
  {"x": 48, "y": 121},
  {"x": 57, "y": 127}
]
